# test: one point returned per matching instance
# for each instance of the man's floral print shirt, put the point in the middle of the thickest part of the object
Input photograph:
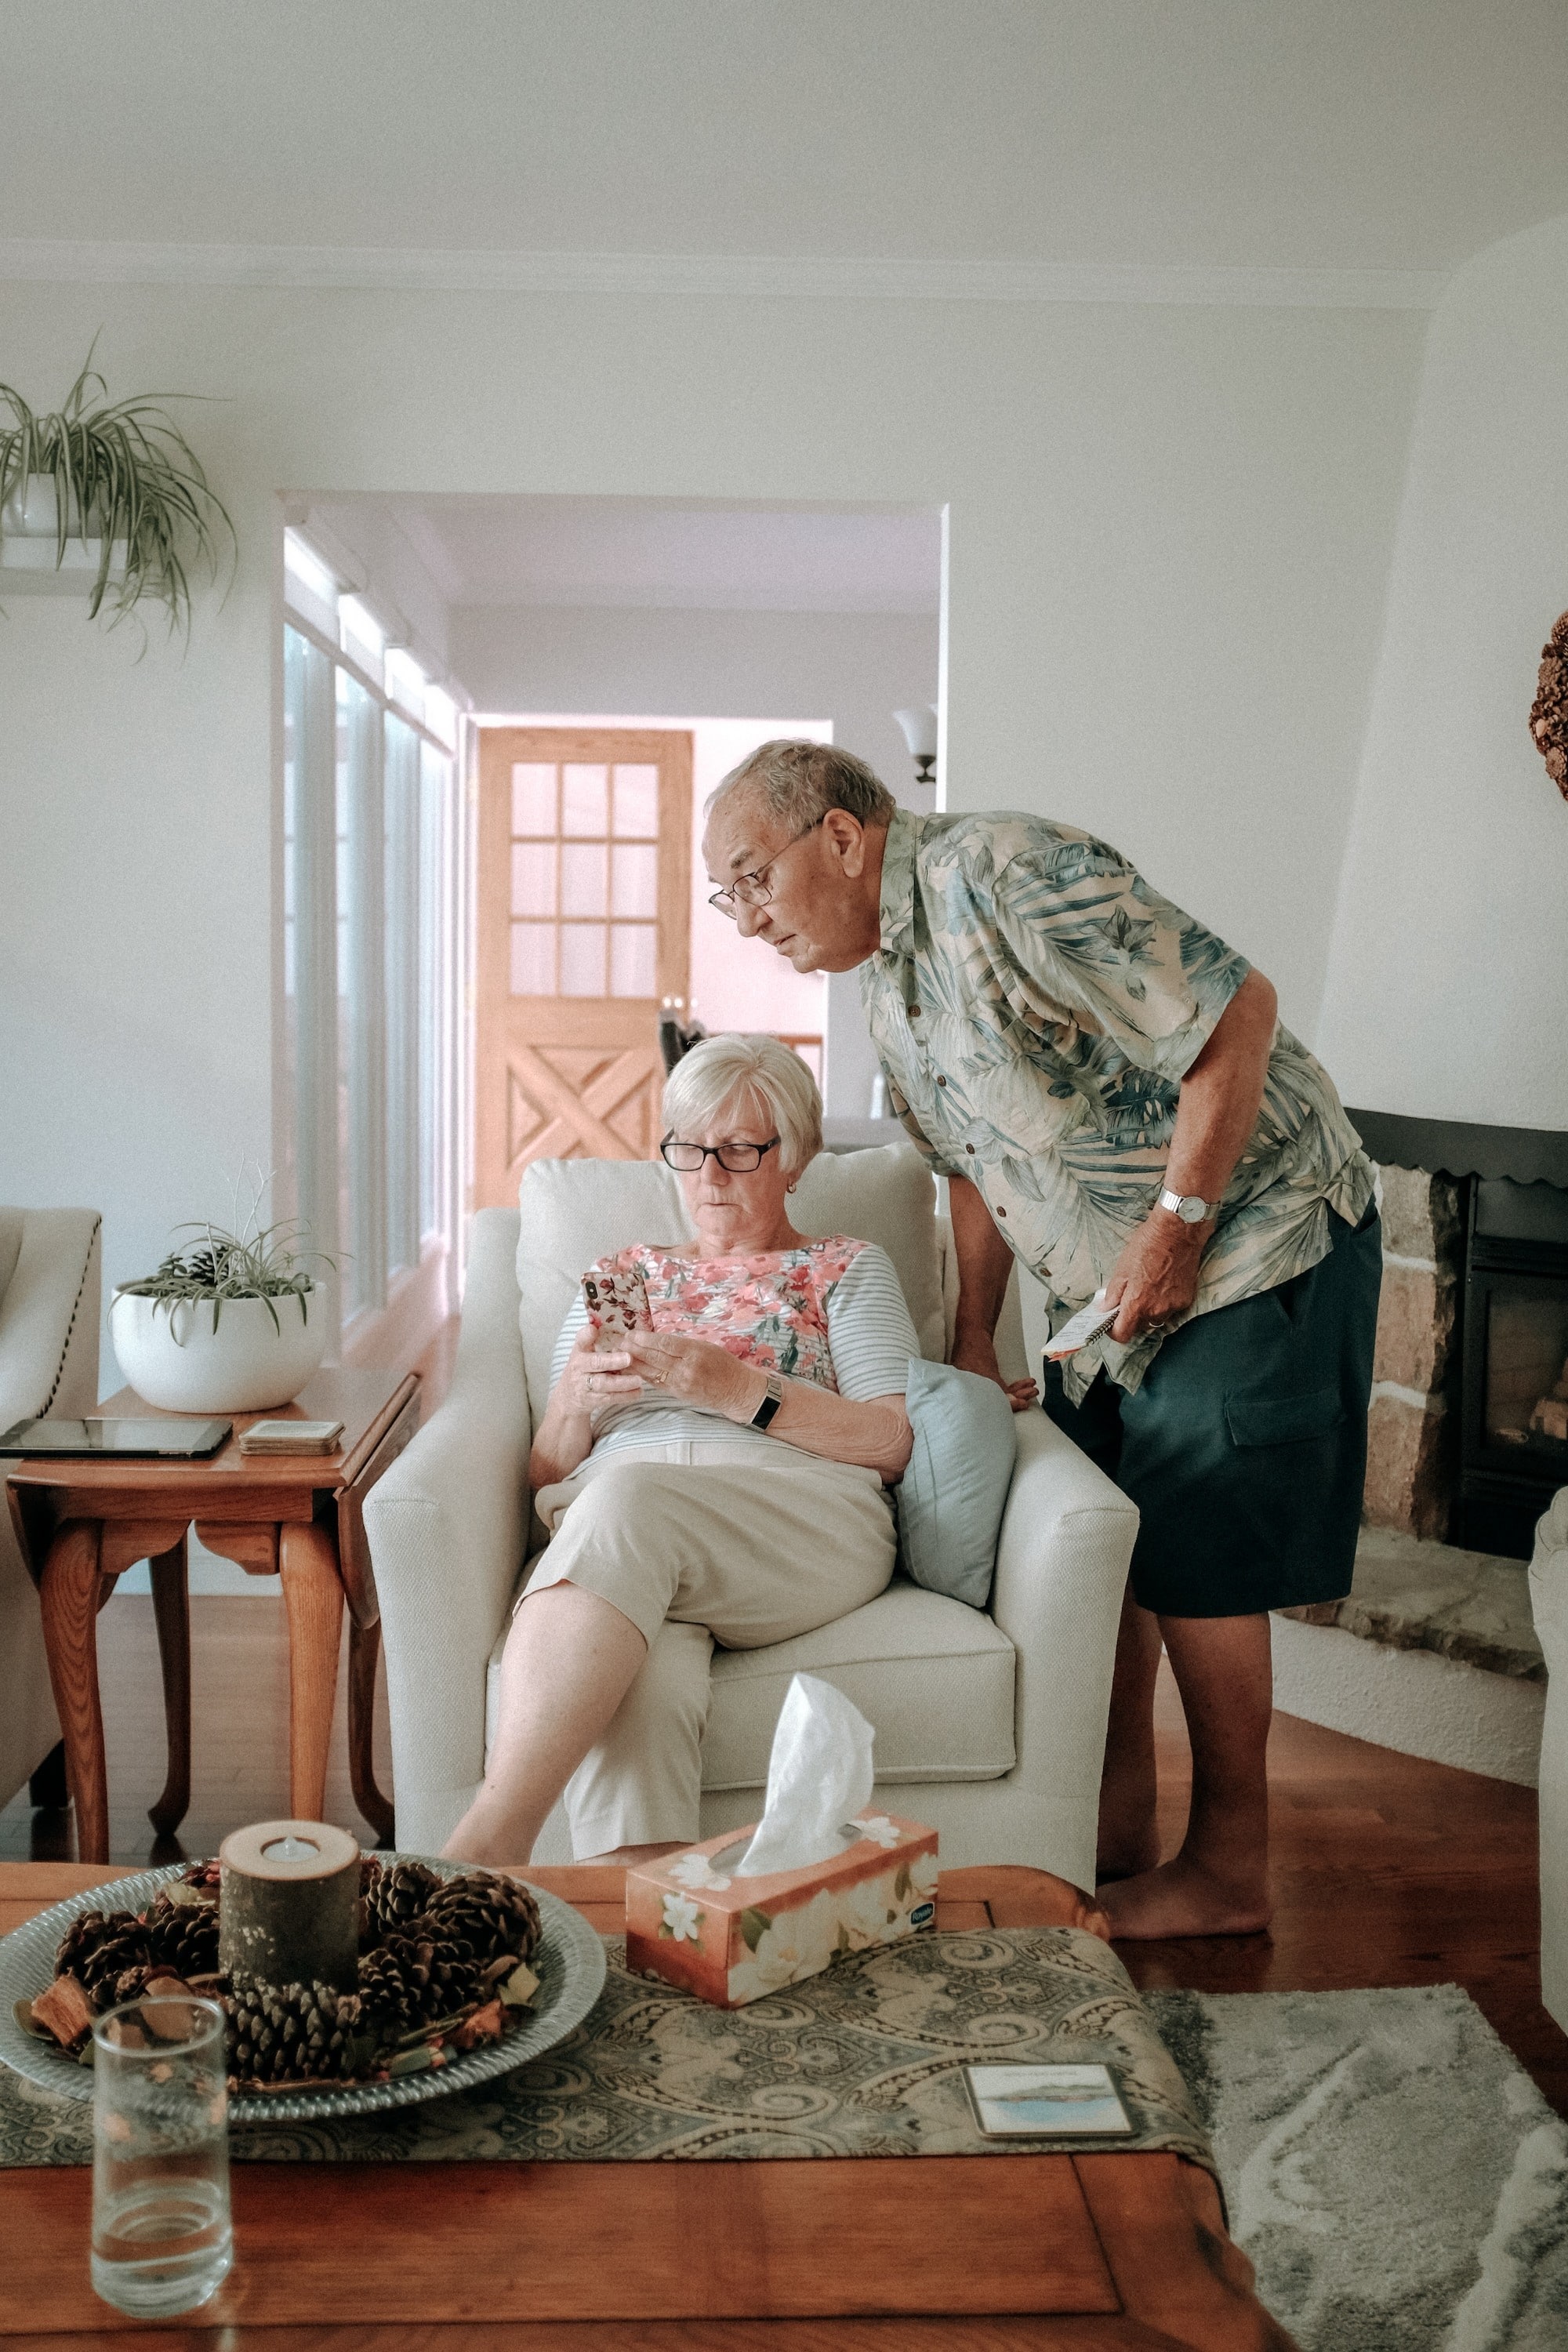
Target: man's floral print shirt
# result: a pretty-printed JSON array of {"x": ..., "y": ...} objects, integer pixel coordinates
[{"x": 1034, "y": 1005}]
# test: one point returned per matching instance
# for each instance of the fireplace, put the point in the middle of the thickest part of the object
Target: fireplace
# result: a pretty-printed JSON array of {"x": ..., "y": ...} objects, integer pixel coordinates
[
  {"x": 1469, "y": 1429},
  {"x": 1513, "y": 1425}
]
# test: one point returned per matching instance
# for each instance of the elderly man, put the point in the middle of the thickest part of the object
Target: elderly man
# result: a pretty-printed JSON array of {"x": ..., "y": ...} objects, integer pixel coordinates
[{"x": 1107, "y": 1088}]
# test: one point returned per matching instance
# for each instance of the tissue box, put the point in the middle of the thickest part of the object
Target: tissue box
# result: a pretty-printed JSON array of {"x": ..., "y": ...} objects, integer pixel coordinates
[{"x": 731, "y": 1939}]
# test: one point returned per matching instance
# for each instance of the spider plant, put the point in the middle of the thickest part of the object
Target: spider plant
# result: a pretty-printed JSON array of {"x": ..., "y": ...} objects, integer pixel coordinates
[
  {"x": 123, "y": 472},
  {"x": 258, "y": 1261}
]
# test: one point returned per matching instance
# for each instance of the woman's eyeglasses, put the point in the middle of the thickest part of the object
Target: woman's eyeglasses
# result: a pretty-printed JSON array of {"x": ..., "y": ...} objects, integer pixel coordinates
[
  {"x": 754, "y": 889},
  {"x": 738, "y": 1158}
]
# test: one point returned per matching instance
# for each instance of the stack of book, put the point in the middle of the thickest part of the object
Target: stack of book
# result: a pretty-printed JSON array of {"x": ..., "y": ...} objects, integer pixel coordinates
[{"x": 291, "y": 1437}]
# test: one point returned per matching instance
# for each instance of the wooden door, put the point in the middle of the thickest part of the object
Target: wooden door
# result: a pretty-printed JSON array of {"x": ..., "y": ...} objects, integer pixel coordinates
[{"x": 584, "y": 920}]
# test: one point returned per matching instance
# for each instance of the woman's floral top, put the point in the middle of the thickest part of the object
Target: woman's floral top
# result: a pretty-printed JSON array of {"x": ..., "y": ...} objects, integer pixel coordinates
[{"x": 770, "y": 1309}]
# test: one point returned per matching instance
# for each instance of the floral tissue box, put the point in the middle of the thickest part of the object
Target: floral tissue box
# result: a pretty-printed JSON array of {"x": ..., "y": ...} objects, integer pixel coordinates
[{"x": 731, "y": 1939}]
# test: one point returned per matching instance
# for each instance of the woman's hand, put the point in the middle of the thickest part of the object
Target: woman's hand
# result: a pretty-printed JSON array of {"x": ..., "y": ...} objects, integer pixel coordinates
[
  {"x": 592, "y": 1375},
  {"x": 696, "y": 1372}
]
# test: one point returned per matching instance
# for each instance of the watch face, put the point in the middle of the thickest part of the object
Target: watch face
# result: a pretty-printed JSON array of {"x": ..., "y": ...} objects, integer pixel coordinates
[{"x": 1192, "y": 1211}]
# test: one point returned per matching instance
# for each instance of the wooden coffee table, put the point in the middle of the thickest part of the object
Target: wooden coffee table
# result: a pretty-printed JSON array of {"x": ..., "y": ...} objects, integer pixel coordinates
[
  {"x": 868, "y": 2254},
  {"x": 81, "y": 1523}
]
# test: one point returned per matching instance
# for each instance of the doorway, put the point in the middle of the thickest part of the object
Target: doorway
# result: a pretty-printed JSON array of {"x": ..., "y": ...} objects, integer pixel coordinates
[{"x": 583, "y": 933}]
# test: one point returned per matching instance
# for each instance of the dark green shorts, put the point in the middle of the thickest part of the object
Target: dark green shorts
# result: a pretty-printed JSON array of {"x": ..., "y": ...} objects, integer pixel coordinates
[{"x": 1245, "y": 1449}]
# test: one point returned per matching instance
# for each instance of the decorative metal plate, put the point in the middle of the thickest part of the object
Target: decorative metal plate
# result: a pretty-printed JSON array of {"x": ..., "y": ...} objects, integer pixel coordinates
[{"x": 569, "y": 1963}]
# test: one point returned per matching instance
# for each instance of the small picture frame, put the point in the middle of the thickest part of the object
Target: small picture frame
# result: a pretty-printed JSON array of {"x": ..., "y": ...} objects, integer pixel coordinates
[{"x": 1047, "y": 2103}]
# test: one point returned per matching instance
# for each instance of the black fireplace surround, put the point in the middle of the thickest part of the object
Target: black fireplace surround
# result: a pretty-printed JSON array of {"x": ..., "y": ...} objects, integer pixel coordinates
[{"x": 1514, "y": 1314}]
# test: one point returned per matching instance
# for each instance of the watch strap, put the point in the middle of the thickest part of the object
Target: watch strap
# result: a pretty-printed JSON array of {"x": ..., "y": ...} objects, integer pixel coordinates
[
  {"x": 1185, "y": 1205},
  {"x": 769, "y": 1403}
]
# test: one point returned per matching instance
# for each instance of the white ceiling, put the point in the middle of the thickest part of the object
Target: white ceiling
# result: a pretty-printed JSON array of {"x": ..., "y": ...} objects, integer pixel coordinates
[
  {"x": 1305, "y": 134},
  {"x": 566, "y": 550}
]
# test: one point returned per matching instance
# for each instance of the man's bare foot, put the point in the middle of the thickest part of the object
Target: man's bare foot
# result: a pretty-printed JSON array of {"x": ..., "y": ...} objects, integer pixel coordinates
[
  {"x": 1182, "y": 1898},
  {"x": 1127, "y": 1858}
]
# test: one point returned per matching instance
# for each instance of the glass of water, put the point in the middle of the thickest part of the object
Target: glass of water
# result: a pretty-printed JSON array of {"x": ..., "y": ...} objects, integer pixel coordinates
[{"x": 160, "y": 2236}]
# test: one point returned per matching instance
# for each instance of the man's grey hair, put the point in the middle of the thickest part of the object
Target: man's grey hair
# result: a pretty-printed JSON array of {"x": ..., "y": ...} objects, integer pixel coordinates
[
  {"x": 737, "y": 1073},
  {"x": 796, "y": 783}
]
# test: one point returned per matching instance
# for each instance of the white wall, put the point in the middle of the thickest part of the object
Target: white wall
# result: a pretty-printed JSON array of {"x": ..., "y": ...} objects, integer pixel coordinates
[
  {"x": 853, "y": 669},
  {"x": 1170, "y": 531},
  {"x": 1448, "y": 994}
]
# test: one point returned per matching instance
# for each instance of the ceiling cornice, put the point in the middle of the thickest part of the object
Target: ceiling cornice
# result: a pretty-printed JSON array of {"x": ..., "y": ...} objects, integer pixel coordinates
[{"x": 421, "y": 270}]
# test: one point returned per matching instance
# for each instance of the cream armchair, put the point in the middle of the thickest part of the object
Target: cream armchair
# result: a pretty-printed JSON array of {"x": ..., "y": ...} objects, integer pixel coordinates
[
  {"x": 50, "y": 1279},
  {"x": 989, "y": 1725},
  {"x": 1549, "y": 1600}
]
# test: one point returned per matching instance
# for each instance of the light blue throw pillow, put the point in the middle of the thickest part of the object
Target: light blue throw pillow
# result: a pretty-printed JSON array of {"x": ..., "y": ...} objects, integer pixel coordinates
[{"x": 951, "y": 1496}]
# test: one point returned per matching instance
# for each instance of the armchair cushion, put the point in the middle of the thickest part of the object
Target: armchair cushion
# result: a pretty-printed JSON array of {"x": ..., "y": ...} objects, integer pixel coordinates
[
  {"x": 936, "y": 1679},
  {"x": 954, "y": 1491},
  {"x": 574, "y": 1211}
]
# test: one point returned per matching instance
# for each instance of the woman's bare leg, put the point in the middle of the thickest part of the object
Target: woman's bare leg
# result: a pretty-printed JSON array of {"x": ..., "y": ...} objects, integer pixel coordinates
[
  {"x": 1218, "y": 1884},
  {"x": 1129, "y": 1838},
  {"x": 570, "y": 1659}
]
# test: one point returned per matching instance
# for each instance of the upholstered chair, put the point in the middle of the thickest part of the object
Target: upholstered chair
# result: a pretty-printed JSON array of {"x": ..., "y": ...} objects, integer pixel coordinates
[
  {"x": 1549, "y": 1600},
  {"x": 990, "y": 1725},
  {"x": 50, "y": 1279}
]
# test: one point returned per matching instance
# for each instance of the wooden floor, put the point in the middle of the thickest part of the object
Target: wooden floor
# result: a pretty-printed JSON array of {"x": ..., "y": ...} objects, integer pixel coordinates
[{"x": 1386, "y": 1871}]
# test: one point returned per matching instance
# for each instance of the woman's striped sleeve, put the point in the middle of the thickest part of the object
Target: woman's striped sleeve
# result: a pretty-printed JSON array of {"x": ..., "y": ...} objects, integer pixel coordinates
[{"x": 868, "y": 1328}]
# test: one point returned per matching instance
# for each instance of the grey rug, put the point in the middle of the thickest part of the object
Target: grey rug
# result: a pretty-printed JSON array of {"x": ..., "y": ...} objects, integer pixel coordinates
[{"x": 1391, "y": 2171}]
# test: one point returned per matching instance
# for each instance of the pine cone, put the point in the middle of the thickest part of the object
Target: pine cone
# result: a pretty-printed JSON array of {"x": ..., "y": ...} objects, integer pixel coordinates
[
  {"x": 486, "y": 1915},
  {"x": 183, "y": 1937},
  {"x": 396, "y": 1897},
  {"x": 107, "y": 1962},
  {"x": 290, "y": 2034},
  {"x": 414, "y": 1976},
  {"x": 83, "y": 1936},
  {"x": 129, "y": 1985}
]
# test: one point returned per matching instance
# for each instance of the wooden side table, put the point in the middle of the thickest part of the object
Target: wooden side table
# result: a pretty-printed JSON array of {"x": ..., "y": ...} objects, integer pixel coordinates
[{"x": 81, "y": 1523}]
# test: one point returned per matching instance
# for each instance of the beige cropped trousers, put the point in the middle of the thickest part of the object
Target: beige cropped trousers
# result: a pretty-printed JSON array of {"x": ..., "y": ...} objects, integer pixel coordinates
[{"x": 741, "y": 1544}]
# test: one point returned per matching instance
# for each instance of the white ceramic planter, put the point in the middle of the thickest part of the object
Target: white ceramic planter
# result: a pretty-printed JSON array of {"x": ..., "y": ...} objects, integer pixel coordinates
[
  {"x": 173, "y": 1357},
  {"x": 33, "y": 510}
]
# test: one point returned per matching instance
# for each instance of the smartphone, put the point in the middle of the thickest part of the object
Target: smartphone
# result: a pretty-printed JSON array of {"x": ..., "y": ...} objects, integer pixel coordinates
[
  {"x": 618, "y": 1303},
  {"x": 1086, "y": 1325}
]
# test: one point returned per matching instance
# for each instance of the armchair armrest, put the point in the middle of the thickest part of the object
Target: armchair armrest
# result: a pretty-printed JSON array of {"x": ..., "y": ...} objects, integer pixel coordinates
[
  {"x": 447, "y": 1528},
  {"x": 1061, "y": 1570},
  {"x": 48, "y": 1317}
]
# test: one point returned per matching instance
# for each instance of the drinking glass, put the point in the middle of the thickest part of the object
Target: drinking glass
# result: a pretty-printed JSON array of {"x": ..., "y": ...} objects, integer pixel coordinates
[{"x": 160, "y": 2236}]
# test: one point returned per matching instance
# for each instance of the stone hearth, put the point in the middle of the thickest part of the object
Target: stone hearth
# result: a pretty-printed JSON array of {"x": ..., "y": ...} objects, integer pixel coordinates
[
  {"x": 1433, "y": 1653},
  {"x": 1411, "y": 1427},
  {"x": 1468, "y": 1606}
]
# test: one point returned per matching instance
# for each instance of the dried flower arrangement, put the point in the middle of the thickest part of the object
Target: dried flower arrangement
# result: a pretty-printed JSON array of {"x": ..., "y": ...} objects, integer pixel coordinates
[{"x": 1549, "y": 711}]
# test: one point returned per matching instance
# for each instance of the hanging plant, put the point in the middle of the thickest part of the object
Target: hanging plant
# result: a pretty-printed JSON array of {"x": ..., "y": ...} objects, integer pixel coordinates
[{"x": 120, "y": 474}]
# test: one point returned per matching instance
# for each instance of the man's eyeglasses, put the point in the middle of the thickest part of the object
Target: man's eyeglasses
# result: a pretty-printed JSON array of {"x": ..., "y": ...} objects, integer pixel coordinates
[
  {"x": 738, "y": 1158},
  {"x": 754, "y": 889}
]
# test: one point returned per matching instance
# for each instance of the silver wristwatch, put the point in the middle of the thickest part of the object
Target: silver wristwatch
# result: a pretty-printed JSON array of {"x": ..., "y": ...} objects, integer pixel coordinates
[
  {"x": 769, "y": 1403},
  {"x": 1189, "y": 1207}
]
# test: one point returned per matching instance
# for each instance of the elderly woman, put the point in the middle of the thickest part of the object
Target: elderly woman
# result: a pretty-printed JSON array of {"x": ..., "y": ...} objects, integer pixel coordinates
[{"x": 719, "y": 1473}]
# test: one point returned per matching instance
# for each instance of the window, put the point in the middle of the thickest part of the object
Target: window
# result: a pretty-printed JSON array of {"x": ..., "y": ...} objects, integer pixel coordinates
[{"x": 368, "y": 870}]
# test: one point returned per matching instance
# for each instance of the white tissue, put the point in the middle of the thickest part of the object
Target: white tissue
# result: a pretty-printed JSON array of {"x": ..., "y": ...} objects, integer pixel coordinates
[{"x": 819, "y": 1777}]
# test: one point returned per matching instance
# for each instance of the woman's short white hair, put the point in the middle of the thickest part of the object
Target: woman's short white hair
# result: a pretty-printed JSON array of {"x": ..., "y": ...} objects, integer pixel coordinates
[{"x": 738, "y": 1071}]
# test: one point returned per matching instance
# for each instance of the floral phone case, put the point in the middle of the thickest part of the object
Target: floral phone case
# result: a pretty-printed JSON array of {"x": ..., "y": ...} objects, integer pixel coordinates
[{"x": 618, "y": 1303}]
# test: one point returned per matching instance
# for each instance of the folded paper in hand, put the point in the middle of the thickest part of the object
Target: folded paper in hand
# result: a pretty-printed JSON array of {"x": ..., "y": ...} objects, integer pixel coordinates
[{"x": 819, "y": 1777}]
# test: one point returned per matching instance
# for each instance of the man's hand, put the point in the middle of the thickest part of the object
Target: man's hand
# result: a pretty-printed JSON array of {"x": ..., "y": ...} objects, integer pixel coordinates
[
  {"x": 1156, "y": 1276},
  {"x": 975, "y": 1351}
]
